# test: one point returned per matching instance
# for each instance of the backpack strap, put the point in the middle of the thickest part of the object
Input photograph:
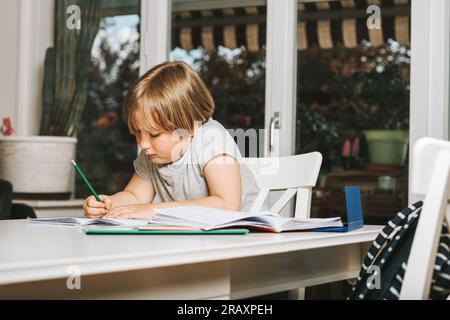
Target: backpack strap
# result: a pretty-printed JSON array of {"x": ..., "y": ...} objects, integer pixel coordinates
[
  {"x": 440, "y": 284},
  {"x": 401, "y": 219}
]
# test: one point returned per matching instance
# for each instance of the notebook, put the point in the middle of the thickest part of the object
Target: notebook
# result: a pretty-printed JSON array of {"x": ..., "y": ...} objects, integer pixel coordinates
[
  {"x": 73, "y": 221},
  {"x": 210, "y": 219},
  {"x": 195, "y": 219}
]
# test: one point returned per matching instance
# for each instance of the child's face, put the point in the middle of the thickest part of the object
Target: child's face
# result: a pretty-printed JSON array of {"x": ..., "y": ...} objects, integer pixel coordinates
[{"x": 161, "y": 147}]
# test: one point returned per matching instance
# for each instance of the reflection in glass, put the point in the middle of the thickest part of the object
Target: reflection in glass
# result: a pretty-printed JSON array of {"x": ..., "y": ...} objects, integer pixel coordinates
[
  {"x": 353, "y": 103},
  {"x": 105, "y": 148}
]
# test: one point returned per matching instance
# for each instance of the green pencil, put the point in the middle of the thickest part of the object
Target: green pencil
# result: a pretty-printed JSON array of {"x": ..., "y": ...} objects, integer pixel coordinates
[{"x": 86, "y": 181}]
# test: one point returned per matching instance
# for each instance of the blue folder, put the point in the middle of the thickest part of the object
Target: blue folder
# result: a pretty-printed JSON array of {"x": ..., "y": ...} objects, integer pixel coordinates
[{"x": 355, "y": 217}]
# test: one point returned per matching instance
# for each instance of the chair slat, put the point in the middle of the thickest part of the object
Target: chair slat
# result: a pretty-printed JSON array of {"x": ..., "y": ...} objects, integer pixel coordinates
[{"x": 283, "y": 200}]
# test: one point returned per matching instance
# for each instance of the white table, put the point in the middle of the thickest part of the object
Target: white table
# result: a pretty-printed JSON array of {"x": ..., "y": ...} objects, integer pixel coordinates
[{"x": 34, "y": 260}]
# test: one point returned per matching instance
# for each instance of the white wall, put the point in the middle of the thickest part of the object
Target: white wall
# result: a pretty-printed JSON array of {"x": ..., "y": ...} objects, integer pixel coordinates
[
  {"x": 9, "y": 31},
  {"x": 26, "y": 30}
]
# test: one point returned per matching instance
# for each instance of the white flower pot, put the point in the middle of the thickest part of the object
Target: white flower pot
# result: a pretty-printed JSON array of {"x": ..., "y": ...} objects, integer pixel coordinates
[{"x": 38, "y": 166}]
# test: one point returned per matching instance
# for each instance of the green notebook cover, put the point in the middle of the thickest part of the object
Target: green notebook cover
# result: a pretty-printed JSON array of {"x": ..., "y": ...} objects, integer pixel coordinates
[{"x": 156, "y": 232}]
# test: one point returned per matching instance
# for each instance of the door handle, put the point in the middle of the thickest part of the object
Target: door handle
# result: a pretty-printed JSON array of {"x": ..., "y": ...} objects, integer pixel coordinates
[{"x": 274, "y": 124}]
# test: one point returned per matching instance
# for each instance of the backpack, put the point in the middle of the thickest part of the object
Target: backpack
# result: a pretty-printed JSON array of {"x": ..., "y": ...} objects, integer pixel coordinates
[{"x": 387, "y": 258}]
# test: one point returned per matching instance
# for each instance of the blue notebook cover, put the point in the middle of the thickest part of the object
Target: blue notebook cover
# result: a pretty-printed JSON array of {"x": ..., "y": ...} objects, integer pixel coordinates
[{"x": 355, "y": 217}]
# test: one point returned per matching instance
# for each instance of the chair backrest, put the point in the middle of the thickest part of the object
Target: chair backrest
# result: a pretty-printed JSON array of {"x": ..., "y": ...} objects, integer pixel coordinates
[
  {"x": 430, "y": 178},
  {"x": 297, "y": 175}
]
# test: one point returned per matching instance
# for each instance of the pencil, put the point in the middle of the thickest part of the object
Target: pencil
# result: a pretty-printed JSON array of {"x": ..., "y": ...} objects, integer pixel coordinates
[{"x": 86, "y": 181}]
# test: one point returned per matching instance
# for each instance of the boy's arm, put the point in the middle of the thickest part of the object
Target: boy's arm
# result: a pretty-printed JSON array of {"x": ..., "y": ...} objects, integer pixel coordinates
[
  {"x": 223, "y": 178},
  {"x": 224, "y": 183},
  {"x": 137, "y": 191}
]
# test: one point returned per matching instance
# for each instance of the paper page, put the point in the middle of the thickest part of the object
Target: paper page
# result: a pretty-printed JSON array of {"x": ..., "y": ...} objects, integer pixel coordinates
[
  {"x": 284, "y": 224},
  {"x": 112, "y": 222},
  {"x": 210, "y": 218},
  {"x": 203, "y": 216},
  {"x": 75, "y": 221},
  {"x": 296, "y": 224},
  {"x": 57, "y": 221}
]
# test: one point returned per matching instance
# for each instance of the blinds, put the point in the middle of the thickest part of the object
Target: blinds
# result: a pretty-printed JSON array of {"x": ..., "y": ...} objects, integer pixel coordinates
[{"x": 323, "y": 24}]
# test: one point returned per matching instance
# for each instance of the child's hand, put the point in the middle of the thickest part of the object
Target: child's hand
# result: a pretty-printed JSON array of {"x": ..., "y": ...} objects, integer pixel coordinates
[
  {"x": 95, "y": 209},
  {"x": 132, "y": 211}
]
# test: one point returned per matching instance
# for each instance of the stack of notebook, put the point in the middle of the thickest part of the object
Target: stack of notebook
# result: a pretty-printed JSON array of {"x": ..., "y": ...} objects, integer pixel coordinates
[{"x": 193, "y": 220}]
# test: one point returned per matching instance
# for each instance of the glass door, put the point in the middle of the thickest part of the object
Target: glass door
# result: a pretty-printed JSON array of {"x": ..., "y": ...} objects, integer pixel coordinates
[
  {"x": 226, "y": 44},
  {"x": 353, "y": 102},
  {"x": 105, "y": 148}
]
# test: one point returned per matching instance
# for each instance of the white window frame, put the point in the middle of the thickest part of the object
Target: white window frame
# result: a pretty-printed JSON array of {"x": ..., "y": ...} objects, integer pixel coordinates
[
  {"x": 281, "y": 75},
  {"x": 155, "y": 33},
  {"x": 429, "y": 94}
]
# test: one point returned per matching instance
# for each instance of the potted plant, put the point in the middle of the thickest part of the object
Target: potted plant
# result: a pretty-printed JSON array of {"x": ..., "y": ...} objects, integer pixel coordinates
[
  {"x": 379, "y": 95},
  {"x": 39, "y": 166},
  {"x": 386, "y": 91}
]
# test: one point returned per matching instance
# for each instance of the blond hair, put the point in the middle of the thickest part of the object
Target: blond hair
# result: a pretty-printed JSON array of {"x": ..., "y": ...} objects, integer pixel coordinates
[{"x": 169, "y": 96}]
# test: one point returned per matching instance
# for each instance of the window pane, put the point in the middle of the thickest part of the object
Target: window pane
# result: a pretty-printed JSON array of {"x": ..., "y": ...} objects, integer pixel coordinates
[
  {"x": 353, "y": 80},
  {"x": 106, "y": 149},
  {"x": 226, "y": 46}
]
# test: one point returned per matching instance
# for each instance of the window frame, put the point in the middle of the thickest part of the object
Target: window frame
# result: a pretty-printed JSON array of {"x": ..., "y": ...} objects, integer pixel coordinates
[{"x": 429, "y": 97}]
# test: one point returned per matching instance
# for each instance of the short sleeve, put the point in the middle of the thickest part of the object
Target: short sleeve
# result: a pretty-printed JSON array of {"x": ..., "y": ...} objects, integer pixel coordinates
[
  {"x": 142, "y": 167},
  {"x": 215, "y": 141}
]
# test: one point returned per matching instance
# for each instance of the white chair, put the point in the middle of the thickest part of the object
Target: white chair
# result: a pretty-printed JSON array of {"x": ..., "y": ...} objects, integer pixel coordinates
[
  {"x": 295, "y": 174},
  {"x": 431, "y": 181}
]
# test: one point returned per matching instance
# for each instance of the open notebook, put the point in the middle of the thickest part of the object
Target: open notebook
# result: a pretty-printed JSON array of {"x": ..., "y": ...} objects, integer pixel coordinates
[
  {"x": 84, "y": 222},
  {"x": 189, "y": 218},
  {"x": 209, "y": 219}
]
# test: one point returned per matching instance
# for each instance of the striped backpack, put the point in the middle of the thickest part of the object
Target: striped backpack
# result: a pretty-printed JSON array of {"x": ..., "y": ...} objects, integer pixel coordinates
[{"x": 384, "y": 266}]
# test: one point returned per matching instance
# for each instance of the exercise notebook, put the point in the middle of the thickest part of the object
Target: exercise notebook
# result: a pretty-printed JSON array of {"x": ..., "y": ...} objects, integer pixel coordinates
[
  {"x": 211, "y": 219},
  {"x": 72, "y": 221},
  {"x": 196, "y": 219}
]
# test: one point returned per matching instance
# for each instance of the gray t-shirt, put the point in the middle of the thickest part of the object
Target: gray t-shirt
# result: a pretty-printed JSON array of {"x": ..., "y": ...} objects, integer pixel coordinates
[{"x": 184, "y": 180}]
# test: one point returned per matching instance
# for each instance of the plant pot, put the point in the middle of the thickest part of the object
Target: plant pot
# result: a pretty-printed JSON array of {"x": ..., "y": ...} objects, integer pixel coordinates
[
  {"x": 38, "y": 166},
  {"x": 387, "y": 146}
]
